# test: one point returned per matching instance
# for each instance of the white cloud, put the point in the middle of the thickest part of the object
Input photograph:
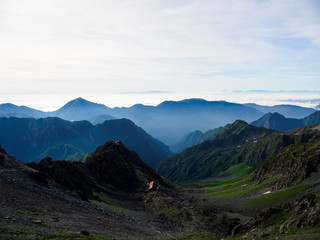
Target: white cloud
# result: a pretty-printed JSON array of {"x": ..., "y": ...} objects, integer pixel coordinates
[{"x": 194, "y": 45}]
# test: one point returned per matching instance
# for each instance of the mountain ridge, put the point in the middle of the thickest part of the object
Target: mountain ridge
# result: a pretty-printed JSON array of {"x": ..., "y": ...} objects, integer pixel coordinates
[
  {"x": 36, "y": 136},
  {"x": 278, "y": 122},
  {"x": 164, "y": 120}
]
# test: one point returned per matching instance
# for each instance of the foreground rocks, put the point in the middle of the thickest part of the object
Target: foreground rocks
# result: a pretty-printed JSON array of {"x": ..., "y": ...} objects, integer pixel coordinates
[{"x": 300, "y": 218}]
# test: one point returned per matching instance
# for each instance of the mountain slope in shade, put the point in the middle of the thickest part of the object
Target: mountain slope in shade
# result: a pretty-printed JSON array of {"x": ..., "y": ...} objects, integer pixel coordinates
[
  {"x": 149, "y": 149},
  {"x": 312, "y": 119},
  {"x": 278, "y": 122},
  {"x": 112, "y": 164},
  {"x": 63, "y": 152},
  {"x": 194, "y": 138},
  {"x": 80, "y": 109},
  {"x": 37, "y": 138},
  {"x": 236, "y": 143},
  {"x": 9, "y": 162},
  {"x": 289, "y": 111}
]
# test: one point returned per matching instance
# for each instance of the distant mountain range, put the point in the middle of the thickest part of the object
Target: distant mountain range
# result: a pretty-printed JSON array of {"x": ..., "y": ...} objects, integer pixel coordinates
[
  {"x": 279, "y": 122},
  {"x": 31, "y": 139},
  {"x": 168, "y": 121},
  {"x": 289, "y": 111},
  {"x": 274, "y": 121}
]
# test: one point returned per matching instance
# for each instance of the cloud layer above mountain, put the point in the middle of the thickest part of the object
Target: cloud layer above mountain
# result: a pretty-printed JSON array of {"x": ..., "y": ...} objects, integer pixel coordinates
[{"x": 81, "y": 46}]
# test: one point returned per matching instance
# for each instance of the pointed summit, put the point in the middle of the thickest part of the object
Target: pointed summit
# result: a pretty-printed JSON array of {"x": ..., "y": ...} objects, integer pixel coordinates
[
  {"x": 80, "y": 102},
  {"x": 277, "y": 122},
  {"x": 81, "y": 109}
]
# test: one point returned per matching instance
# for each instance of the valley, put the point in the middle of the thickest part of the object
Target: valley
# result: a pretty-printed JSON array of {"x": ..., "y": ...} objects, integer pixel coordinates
[
  {"x": 238, "y": 181},
  {"x": 159, "y": 120}
]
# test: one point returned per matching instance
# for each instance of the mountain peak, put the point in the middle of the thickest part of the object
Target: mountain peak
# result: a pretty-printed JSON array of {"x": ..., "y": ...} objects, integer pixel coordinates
[
  {"x": 79, "y": 101},
  {"x": 81, "y": 109},
  {"x": 277, "y": 122},
  {"x": 240, "y": 123}
]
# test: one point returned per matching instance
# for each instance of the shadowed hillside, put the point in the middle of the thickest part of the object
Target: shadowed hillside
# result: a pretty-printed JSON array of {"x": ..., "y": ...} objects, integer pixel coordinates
[{"x": 62, "y": 139}]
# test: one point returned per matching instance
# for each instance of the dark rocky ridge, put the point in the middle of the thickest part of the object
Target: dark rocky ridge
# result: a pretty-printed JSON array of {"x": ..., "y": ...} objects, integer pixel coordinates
[{"x": 111, "y": 165}]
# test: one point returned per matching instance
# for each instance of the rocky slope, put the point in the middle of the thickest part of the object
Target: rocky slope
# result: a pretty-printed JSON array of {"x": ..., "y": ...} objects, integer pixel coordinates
[
  {"x": 293, "y": 163},
  {"x": 97, "y": 199},
  {"x": 112, "y": 164},
  {"x": 104, "y": 198}
]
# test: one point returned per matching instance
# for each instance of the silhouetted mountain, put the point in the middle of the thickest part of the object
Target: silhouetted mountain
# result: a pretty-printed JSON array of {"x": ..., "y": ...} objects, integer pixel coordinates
[
  {"x": 289, "y": 111},
  {"x": 80, "y": 109},
  {"x": 278, "y": 122},
  {"x": 112, "y": 164},
  {"x": 236, "y": 143},
  {"x": 194, "y": 138},
  {"x": 60, "y": 137},
  {"x": 11, "y": 110},
  {"x": 9, "y": 162}
]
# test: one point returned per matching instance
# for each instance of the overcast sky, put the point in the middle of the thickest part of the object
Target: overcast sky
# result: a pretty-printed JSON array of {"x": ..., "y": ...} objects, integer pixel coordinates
[{"x": 130, "y": 49}]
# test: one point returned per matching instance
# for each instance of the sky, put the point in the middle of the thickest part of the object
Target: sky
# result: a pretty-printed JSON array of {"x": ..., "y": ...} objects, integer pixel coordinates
[{"x": 121, "y": 52}]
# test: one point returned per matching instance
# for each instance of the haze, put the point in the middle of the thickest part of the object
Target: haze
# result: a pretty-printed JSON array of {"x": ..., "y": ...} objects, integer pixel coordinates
[{"x": 125, "y": 52}]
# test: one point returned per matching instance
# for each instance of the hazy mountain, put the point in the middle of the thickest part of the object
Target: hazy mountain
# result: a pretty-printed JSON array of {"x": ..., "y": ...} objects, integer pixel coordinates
[
  {"x": 59, "y": 138},
  {"x": 100, "y": 119},
  {"x": 172, "y": 120},
  {"x": 189, "y": 140},
  {"x": 278, "y": 122},
  {"x": 289, "y": 111},
  {"x": 11, "y": 110},
  {"x": 194, "y": 138},
  {"x": 163, "y": 121},
  {"x": 80, "y": 109},
  {"x": 236, "y": 143}
]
